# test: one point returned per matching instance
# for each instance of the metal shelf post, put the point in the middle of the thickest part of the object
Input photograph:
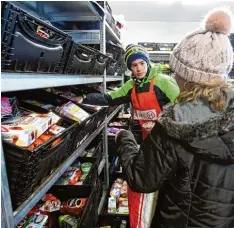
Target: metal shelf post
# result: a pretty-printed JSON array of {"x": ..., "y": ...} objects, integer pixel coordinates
[{"x": 7, "y": 212}]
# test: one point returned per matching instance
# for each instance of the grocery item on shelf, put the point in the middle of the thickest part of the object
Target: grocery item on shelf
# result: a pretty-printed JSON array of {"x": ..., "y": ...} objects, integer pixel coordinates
[
  {"x": 36, "y": 221},
  {"x": 25, "y": 129},
  {"x": 73, "y": 206},
  {"x": 42, "y": 139},
  {"x": 75, "y": 174},
  {"x": 9, "y": 107},
  {"x": 40, "y": 104},
  {"x": 118, "y": 201},
  {"x": 66, "y": 221},
  {"x": 73, "y": 112},
  {"x": 51, "y": 203}
]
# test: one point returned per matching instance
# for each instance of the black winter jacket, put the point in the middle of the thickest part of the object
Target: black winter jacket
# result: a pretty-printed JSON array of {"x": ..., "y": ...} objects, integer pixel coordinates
[{"x": 189, "y": 157}]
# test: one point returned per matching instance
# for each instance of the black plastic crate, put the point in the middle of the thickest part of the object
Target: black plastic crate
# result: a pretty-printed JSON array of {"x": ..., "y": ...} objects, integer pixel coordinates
[
  {"x": 23, "y": 50},
  {"x": 81, "y": 60},
  {"x": 100, "y": 63},
  {"x": 82, "y": 130},
  {"x": 165, "y": 46},
  {"x": 91, "y": 208},
  {"x": 115, "y": 50},
  {"x": 112, "y": 67},
  {"x": 28, "y": 169},
  {"x": 149, "y": 46}
]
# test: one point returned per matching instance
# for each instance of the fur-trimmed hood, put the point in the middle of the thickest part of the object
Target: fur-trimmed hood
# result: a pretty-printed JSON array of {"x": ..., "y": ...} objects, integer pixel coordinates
[{"x": 194, "y": 122}]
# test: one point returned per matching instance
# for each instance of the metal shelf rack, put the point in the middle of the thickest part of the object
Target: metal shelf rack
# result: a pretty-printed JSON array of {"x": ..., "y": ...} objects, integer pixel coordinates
[{"x": 56, "y": 11}]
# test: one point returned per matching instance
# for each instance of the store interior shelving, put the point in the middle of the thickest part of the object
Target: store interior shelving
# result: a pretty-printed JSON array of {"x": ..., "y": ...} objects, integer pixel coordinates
[{"x": 57, "y": 11}]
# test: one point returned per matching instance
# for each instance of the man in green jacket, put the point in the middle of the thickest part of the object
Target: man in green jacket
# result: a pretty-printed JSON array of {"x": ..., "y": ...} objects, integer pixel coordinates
[{"x": 148, "y": 91}]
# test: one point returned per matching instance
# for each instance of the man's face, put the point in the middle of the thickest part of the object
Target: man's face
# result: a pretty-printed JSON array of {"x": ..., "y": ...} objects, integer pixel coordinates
[{"x": 139, "y": 68}]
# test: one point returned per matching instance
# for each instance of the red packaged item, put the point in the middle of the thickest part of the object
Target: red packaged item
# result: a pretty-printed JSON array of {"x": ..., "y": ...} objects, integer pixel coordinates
[{"x": 73, "y": 206}]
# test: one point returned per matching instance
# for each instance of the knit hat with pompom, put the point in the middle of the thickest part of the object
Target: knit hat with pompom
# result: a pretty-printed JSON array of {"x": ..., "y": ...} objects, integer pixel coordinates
[{"x": 206, "y": 54}]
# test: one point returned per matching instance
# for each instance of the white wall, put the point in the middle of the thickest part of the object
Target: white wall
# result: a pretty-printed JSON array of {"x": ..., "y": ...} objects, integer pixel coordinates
[{"x": 154, "y": 31}]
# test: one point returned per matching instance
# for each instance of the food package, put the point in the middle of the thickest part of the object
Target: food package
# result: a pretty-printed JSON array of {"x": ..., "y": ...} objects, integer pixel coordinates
[
  {"x": 123, "y": 206},
  {"x": 89, "y": 153},
  {"x": 51, "y": 203},
  {"x": 6, "y": 107},
  {"x": 55, "y": 129},
  {"x": 36, "y": 221},
  {"x": 112, "y": 205},
  {"x": 124, "y": 190},
  {"x": 74, "y": 206},
  {"x": 115, "y": 190},
  {"x": 73, "y": 112},
  {"x": 85, "y": 167},
  {"x": 68, "y": 221},
  {"x": 40, "y": 104},
  {"x": 70, "y": 177},
  {"x": 24, "y": 130}
]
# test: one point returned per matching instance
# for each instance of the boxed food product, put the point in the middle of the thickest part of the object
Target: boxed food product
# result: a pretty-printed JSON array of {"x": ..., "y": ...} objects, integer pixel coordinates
[
  {"x": 36, "y": 221},
  {"x": 70, "y": 177},
  {"x": 24, "y": 130},
  {"x": 112, "y": 205},
  {"x": 73, "y": 112}
]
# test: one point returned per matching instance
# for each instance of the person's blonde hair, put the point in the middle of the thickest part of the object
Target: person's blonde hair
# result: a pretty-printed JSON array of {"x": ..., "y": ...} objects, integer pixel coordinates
[{"x": 214, "y": 92}]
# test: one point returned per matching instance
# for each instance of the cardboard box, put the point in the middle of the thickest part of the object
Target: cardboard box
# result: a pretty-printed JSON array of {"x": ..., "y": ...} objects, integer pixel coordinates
[{"x": 24, "y": 130}]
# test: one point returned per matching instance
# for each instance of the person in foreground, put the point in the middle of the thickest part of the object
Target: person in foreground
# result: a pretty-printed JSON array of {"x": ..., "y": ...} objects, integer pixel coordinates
[
  {"x": 189, "y": 154},
  {"x": 148, "y": 90}
]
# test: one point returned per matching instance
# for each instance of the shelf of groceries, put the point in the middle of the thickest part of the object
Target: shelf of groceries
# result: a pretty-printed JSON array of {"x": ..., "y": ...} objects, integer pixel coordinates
[{"x": 21, "y": 211}]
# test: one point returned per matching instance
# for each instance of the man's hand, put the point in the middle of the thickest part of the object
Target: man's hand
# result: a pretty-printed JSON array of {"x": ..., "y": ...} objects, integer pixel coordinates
[{"x": 78, "y": 99}]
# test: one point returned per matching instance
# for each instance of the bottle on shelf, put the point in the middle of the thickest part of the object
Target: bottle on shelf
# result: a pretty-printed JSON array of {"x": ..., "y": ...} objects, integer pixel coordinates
[{"x": 123, "y": 224}]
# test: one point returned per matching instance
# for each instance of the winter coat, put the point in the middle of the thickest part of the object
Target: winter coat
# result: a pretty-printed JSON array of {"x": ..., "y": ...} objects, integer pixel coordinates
[
  {"x": 166, "y": 90},
  {"x": 189, "y": 157}
]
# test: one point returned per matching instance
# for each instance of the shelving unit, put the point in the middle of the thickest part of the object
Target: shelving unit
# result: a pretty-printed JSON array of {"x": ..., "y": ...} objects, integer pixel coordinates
[
  {"x": 54, "y": 11},
  {"x": 23, "y": 81}
]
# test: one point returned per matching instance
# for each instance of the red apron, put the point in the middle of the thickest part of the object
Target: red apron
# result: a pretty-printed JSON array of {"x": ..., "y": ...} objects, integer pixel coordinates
[{"x": 146, "y": 109}]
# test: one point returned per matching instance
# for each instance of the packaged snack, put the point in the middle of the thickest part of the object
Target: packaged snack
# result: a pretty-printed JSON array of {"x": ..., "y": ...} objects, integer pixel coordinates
[
  {"x": 55, "y": 129},
  {"x": 70, "y": 177},
  {"x": 119, "y": 180},
  {"x": 115, "y": 190},
  {"x": 6, "y": 107},
  {"x": 112, "y": 205},
  {"x": 73, "y": 206},
  {"x": 24, "y": 130},
  {"x": 51, "y": 203},
  {"x": 85, "y": 167},
  {"x": 68, "y": 221},
  {"x": 90, "y": 153},
  {"x": 36, "y": 221},
  {"x": 73, "y": 112},
  {"x": 124, "y": 191}
]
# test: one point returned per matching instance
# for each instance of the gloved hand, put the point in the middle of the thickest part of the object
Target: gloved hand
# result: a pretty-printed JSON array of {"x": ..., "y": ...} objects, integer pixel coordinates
[
  {"x": 118, "y": 133},
  {"x": 78, "y": 99},
  {"x": 113, "y": 130}
]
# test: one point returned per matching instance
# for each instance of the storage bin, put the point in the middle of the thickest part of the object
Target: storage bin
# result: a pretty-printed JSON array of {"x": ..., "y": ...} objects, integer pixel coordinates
[
  {"x": 82, "y": 60},
  {"x": 149, "y": 46},
  {"x": 23, "y": 50},
  {"x": 115, "y": 50},
  {"x": 91, "y": 208},
  {"x": 165, "y": 46},
  {"x": 27, "y": 169},
  {"x": 112, "y": 67}
]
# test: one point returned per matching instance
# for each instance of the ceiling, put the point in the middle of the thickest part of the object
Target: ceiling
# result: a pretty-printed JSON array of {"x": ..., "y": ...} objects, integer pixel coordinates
[{"x": 177, "y": 11}]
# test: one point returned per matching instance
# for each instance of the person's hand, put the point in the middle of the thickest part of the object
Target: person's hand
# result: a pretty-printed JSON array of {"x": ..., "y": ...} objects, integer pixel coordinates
[{"x": 78, "y": 99}]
